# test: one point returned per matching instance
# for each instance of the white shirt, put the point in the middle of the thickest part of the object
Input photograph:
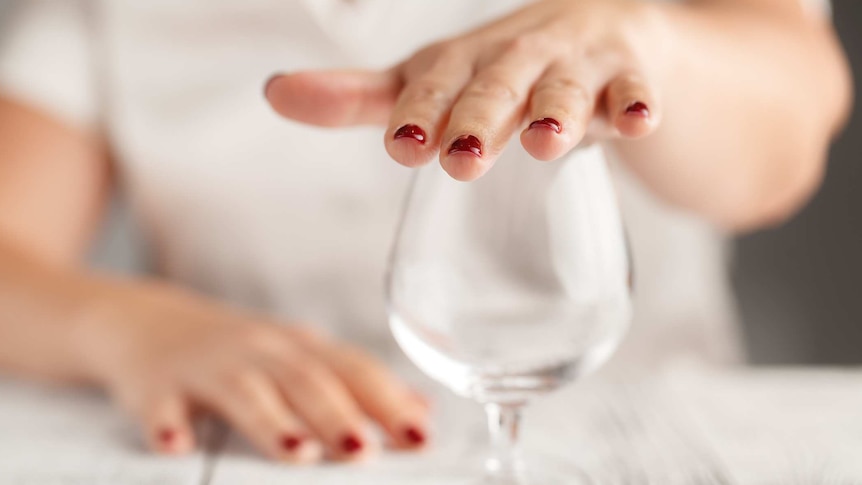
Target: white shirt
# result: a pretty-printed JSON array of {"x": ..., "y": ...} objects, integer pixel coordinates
[{"x": 266, "y": 213}]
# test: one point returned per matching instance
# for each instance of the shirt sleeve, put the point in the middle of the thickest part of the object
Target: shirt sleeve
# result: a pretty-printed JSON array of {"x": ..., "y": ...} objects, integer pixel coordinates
[
  {"x": 818, "y": 7},
  {"x": 46, "y": 57}
]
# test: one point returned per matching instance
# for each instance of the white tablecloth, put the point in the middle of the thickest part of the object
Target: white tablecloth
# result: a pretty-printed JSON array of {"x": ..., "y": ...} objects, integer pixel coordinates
[{"x": 684, "y": 426}]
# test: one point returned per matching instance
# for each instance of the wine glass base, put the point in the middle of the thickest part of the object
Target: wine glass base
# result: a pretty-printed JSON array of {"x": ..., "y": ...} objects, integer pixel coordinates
[{"x": 539, "y": 470}]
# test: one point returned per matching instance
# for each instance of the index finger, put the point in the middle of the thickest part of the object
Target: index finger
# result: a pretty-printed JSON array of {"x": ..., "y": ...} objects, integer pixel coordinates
[
  {"x": 334, "y": 98},
  {"x": 380, "y": 394}
]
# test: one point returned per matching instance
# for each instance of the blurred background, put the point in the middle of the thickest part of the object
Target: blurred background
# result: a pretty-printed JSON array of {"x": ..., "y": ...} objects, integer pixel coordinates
[{"x": 799, "y": 286}]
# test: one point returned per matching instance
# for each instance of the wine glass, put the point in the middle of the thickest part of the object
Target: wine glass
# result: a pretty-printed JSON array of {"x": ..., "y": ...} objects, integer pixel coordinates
[{"x": 508, "y": 287}]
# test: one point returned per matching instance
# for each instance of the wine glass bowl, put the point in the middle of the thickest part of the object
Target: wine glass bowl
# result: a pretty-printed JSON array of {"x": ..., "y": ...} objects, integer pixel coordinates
[{"x": 509, "y": 286}]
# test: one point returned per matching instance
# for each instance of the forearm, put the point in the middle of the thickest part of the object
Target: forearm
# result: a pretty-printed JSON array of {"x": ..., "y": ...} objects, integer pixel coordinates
[
  {"x": 752, "y": 95},
  {"x": 54, "y": 184}
]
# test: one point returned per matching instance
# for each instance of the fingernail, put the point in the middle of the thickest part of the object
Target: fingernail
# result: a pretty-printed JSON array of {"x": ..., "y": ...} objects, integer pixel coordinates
[
  {"x": 268, "y": 83},
  {"x": 549, "y": 123},
  {"x": 411, "y": 131},
  {"x": 351, "y": 444},
  {"x": 466, "y": 143},
  {"x": 414, "y": 435},
  {"x": 167, "y": 436},
  {"x": 291, "y": 442},
  {"x": 638, "y": 108}
]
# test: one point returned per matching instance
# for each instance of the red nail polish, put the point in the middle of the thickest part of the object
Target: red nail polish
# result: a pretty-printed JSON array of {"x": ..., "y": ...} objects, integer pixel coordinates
[
  {"x": 466, "y": 143},
  {"x": 411, "y": 131},
  {"x": 414, "y": 435},
  {"x": 290, "y": 442},
  {"x": 638, "y": 108},
  {"x": 351, "y": 444},
  {"x": 549, "y": 123},
  {"x": 167, "y": 435}
]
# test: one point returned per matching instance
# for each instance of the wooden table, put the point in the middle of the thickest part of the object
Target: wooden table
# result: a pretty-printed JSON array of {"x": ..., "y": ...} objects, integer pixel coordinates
[{"x": 683, "y": 426}]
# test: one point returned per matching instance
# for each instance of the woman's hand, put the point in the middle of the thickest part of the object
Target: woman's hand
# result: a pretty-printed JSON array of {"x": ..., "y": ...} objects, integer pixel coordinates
[
  {"x": 165, "y": 355},
  {"x": 742, "y": 141},
  {"x": 561, "y": 69}
]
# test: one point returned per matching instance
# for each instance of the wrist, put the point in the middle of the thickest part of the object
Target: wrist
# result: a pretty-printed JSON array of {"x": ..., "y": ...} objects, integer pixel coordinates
[{"x": 101, "y": 336}]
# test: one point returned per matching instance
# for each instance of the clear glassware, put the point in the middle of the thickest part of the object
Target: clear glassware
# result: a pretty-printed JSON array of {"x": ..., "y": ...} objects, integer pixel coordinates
[{"x": 508, "y": 287}]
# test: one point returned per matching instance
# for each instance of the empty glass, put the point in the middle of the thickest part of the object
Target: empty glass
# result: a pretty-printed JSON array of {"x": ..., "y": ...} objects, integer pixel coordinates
[{"x": 508, "y": 287}]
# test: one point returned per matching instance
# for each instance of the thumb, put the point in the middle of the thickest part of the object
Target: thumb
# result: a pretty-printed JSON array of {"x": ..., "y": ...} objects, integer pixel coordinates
[{"x": 334, "y": 98}]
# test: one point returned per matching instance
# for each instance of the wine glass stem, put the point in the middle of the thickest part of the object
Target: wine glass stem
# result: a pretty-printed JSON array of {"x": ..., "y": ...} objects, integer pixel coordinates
[{"x": 505, "y": 464}]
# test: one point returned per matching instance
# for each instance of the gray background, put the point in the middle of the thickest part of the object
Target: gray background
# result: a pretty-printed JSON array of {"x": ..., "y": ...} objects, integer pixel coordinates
[{"x": 799, "y": 285}]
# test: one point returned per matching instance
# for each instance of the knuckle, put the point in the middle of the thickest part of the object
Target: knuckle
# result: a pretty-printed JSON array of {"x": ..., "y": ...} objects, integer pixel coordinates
[
  {"x": 138, "y": 401},
  {"x": 630, "y": 78},
  {"x": 568, "y": 86},
  {"x": 565, "y": 113},
  {"x": 529, "y": 44},
  {"x": 243, "y": 381},
  {"x": 256, "y": 416},
  {"x": 449, "y": 50},
  {"x": 255, "y": 334},
  {"x": 457, "y": 49},
  {"x": 364, "y": 362},
  {"x": 306, "y": 335},
  {"x": 262, "y": 338},
  {"x": 368, "y": 370},
  {"x": 364, "y": 372},
  {"x": 306, "y": 375},
  {"x": 629, "y": 82},
  {"x": 431, "y": 51},
  {"x": 492, "y": 87},
  {"x": 428, "y": 91},
  {"x": 439, "y": 57}
]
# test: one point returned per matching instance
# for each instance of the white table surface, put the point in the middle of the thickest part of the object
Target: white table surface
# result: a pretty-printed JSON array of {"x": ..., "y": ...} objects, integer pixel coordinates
[{"x": 700, "y": 427}]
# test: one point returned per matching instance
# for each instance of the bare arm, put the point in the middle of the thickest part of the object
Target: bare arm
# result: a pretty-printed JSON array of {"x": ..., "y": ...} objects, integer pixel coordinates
[
  {"x": 54, "y": 181},
  {"x": 753, "y": 95}
]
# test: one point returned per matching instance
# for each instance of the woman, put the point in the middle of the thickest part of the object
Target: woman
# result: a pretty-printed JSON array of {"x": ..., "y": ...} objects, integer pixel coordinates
[{"x": 722, "y": 109}]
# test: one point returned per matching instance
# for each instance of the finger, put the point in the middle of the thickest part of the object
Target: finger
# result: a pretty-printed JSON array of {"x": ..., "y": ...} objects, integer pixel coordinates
[
  {"x": 303, "y": 336},
  {"x": 167, "y": 424},
  {"x": 632, "y": 106},
  {"x": 334, "y": 98},
  {"x": 561, "y": 106},
  {"x": 251, "y": 402},
  {"x": 382, "y": 396},
  {"x": 324, "y": 403},
  {"x": 421, "y": 399},
  {"x": 419, "y": 115},
  {"x": 490, "y": 108}
]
